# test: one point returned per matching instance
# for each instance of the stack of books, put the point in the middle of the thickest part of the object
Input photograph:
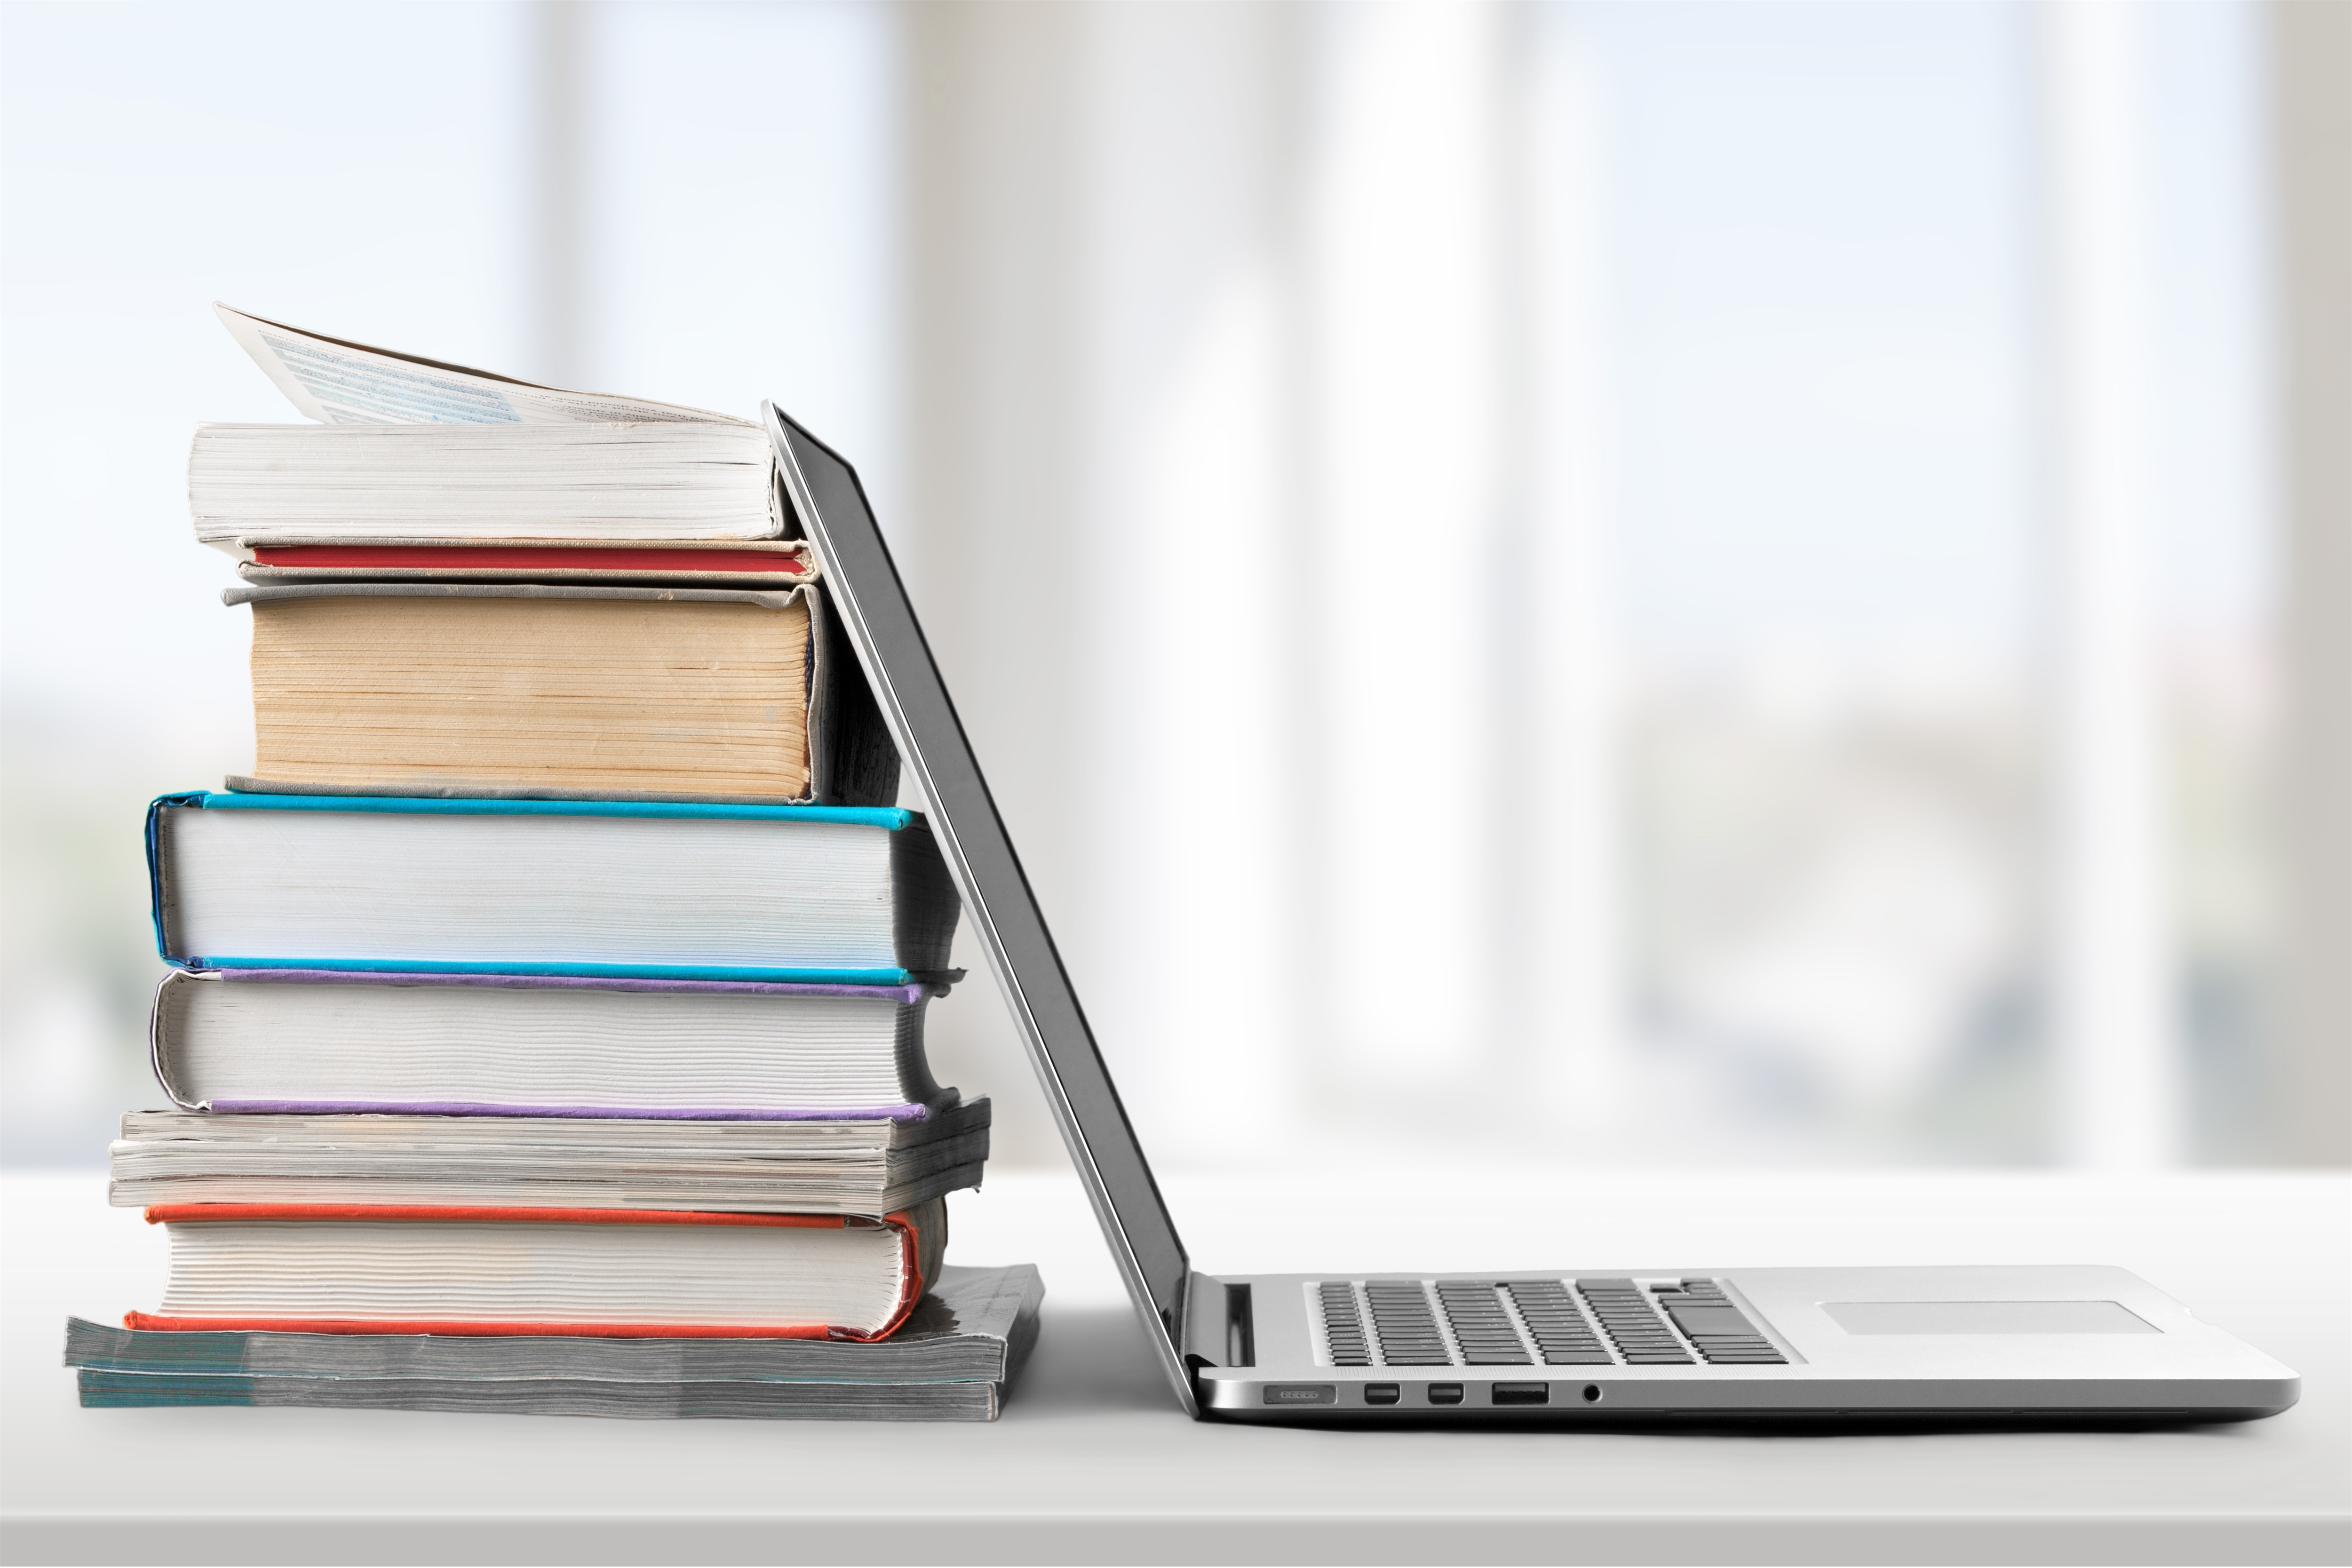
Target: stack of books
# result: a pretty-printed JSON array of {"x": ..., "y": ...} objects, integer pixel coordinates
[{"x": 545, "y": 1022}]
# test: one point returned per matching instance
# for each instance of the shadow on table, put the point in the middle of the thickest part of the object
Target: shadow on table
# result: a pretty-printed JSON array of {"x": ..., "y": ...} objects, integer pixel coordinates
[{"x": 1091, "y": 1359}]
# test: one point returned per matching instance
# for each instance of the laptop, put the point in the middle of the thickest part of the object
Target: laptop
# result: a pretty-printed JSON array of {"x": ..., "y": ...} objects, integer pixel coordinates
[{"x": 1588, "y": 1345}]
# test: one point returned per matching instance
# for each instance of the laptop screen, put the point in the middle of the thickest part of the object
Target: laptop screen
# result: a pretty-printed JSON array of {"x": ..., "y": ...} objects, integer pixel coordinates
[{"x": 866, "y": 593}]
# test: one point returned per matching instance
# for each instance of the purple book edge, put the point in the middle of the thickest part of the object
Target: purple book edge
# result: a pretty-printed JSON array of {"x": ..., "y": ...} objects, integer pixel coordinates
[
  {"x": 580, "y": 1113},
  {"x": 906, "y": 995}
]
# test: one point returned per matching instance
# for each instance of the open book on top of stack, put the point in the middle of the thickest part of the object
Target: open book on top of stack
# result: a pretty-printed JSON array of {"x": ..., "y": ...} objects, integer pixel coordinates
[
  {"x": 414, "y": 455},
  {"x": 558, "y": 979}
]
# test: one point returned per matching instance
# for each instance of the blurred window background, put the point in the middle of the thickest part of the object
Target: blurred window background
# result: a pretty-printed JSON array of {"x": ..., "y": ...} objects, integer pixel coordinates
[{"x": 1566, "y": 580}]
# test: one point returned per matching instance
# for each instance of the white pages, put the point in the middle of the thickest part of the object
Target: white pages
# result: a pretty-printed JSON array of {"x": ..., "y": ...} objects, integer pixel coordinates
[
  {"x": 765, "y": 1276},
  {"x": 339, "y": 383},
  {"x": 538, "y": 1046},
  {"x": 538, "y": 890},
  {"x": 672, "y": 480},
  {"x": 870, "y": 1167}
]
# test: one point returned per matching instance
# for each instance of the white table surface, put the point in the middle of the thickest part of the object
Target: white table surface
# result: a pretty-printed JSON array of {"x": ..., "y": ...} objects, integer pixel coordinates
[{"x": 1092, "y": 1460}]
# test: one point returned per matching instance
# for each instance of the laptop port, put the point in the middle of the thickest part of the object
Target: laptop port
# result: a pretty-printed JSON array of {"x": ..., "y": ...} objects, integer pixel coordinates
[
  {"x": 1523, "y": 1393},
  {"x": 1302, "y": 1394},
  {"x": 1382, "y": 1393},
  {"x": 1593, "y": 1393},
  {"x": 1445, "y": 1393}
]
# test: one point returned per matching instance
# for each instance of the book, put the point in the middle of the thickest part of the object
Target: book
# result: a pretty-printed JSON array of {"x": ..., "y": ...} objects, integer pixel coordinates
[
  {"x": 326, "y": 1041},
  {"x": 830, "y": 895},
  {"x": 861, "y": 1167},
  {"x": 620, "y": 1273},
  {"x": 973, "y": 1325},
  {"x": 568, "y": 692},
  {"x": 250, "y": 485},
  {"x": 688, "y": 562},
  {"x": 408, "y": 447},
  {"x": 556, "y": 1397}
]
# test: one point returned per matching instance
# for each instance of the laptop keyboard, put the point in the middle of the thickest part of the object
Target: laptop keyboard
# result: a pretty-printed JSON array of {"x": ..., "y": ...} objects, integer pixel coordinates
[
  {"x": 1640, "y": 1336},
  {"x": 1407, "y": 1332},
  {"x": 1559, "y": 1331},
  {"x": 1718, "y": 1331},
  {"x": 1551, "y": 1322},
  {"x": 1343, "y": 1331},
  {"x": 1481, "y": 1327}
]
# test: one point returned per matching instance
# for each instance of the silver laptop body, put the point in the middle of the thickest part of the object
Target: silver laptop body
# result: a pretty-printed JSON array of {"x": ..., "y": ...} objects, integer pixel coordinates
[{"x": 1587, "y": 1345}]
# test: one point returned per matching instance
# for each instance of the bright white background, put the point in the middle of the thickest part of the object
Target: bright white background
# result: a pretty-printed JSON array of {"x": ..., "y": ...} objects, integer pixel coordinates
[{"x": 1509, "y": 563}]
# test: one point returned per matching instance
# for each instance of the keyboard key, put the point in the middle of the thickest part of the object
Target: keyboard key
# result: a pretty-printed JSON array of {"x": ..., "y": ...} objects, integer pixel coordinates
[{"x": 1711, "y": 1320}]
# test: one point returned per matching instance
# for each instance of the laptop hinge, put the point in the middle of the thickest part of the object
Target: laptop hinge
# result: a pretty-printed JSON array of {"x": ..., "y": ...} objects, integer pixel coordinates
[{"x": 1219, "y": 1328}]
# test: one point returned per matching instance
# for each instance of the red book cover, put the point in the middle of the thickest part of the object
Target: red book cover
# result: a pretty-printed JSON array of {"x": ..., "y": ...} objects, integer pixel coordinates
[{"x": 505, "y": 557}]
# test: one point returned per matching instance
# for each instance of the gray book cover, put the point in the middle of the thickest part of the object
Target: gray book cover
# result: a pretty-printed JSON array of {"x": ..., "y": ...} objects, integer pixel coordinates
[{"x": 954, "y": 1359}]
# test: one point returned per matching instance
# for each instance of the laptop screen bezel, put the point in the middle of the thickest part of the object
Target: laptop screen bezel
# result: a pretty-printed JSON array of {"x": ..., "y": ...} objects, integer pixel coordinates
[{"x": 862, "y": 580}]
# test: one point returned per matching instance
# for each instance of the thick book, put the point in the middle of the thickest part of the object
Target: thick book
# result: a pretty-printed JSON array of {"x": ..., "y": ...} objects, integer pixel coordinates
[
  {"x": 862, "y": 1167},
  {"x": 973, "y": 1325},
  {"x": 614, "y": 1273},
  {"x": 684, "y": 562},
  {"x": 827, "y": 895},
  {"x": 564, "y": 691},
  {"x": 334, "y": 1040},
  {"x": 408, "y": 447}
]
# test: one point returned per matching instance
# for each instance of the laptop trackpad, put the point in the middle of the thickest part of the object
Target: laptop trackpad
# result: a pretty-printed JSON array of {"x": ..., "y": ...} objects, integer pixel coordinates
[{"x": 1986, "y": 1317}]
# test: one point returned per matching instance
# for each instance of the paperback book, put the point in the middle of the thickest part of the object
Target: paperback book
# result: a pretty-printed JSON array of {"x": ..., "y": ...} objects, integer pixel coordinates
[
  {"x": 833, "y": 1167},
  {"x": 959, "y": 1348}
]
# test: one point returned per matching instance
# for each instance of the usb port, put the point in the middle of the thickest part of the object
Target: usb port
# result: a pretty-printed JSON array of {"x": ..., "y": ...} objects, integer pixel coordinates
[
  {"x": 1382, "y": 1393},
  {"x": 1523, "y": 1393},
  {"x": 1445, "y": 1393}
]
